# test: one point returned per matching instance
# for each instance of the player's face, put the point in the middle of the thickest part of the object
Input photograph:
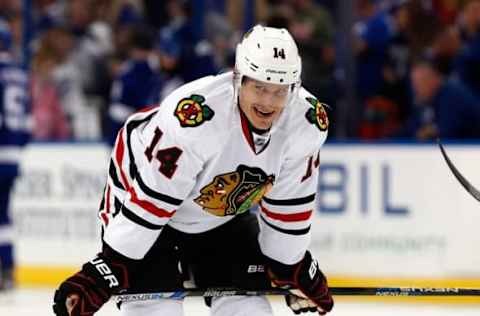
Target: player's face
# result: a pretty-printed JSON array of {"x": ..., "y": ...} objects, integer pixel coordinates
[{"x": 262, "y": 102}]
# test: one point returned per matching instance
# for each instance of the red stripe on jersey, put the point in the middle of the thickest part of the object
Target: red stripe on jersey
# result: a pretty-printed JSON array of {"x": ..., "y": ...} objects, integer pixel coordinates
[
  {"x": 148, "y": 206},
  {"x": 295, "y": 217},
  {"x": 106, "y": 206},
  {"x": 147, "y": 108},
  {"x": 119, "y": 158},
  {"x": 104, "y": 218}
]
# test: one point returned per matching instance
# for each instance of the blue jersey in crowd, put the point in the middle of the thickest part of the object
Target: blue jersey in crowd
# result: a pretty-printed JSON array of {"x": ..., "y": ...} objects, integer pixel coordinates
[
  {"x": 15, "y": 127},
  {"x": 194, "y": 53},
  {"x": 468, "y": 64},
  {"x": 137, "y": 86},
  {"x": 454, "y": 110},
  {"x": 377, "y": 33}
]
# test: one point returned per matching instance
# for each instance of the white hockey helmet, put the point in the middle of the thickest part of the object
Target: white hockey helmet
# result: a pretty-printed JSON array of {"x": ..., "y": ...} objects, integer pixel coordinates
[{"x": 270, "y": 55}]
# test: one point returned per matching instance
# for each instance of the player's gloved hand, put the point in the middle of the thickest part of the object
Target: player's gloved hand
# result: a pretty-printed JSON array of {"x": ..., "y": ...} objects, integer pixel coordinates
[
  {"x": 310, "y": 291},
  {"x": 86, "y": 291}
]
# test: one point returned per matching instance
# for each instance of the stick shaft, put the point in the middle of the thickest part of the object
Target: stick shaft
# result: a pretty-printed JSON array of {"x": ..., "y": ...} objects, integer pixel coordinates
[
  {"x": 338, "y": 291},
  {"x": 463, "y": 181},
  {"x": 213, "y": 292},
  {"x": 404, "y": 291}
]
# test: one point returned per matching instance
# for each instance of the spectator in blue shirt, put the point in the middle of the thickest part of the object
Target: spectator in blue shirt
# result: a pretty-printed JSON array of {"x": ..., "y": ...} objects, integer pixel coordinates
[
  {"x": 467, "y": 63},
  {"x": 442, "y": 108},
  {"x": 138, "y": 84},
  {"x": 186, "y": 43},
  {"x": 373, "y": 37}
]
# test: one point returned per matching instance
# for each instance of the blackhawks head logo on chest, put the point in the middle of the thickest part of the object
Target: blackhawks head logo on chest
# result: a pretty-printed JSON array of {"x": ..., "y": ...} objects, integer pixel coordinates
[{"x": 235, "y": 192}]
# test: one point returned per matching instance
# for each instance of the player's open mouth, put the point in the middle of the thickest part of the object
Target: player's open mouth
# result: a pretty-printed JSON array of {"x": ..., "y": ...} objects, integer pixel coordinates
[{"x": 262, "y": 114}]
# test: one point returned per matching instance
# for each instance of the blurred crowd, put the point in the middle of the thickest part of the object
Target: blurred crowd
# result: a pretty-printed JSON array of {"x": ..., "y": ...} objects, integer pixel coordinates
[
  {"x": 417, "y": 68},
  {"x": 93, "y": 62}
]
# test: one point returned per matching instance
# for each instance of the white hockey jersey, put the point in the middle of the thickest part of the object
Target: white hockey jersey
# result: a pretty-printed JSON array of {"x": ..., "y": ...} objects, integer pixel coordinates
[{"x": 193, "y": 163}]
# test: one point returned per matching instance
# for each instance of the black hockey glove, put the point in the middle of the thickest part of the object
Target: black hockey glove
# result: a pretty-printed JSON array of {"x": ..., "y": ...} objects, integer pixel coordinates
[
  {"x": 84, "y": 293},
  {"x": 309, "y": 292}
]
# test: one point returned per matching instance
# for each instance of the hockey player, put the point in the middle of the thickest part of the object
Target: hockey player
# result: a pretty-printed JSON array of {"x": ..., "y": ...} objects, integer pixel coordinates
[
  {"x": 183, "y": 177},
  {"x": 15, "y": 128}
]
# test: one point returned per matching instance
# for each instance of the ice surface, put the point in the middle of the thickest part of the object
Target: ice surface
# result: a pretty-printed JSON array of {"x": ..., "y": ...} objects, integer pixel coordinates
[{"x": 23, "y": 302}]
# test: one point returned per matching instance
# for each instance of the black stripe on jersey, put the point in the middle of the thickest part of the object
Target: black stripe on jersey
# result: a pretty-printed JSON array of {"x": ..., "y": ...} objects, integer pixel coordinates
[
  {"x": 117, "y": 204},
  {"x": 113, "y": 174},
  {"x": 296, "y": 232},
  {"x": 157, "y": 195},
  {"x": 298, "y": 201},
  {"x": 133, "y": 167},
  {"x": 138, "y": 220},
  {"x": 130, "y": 127}
]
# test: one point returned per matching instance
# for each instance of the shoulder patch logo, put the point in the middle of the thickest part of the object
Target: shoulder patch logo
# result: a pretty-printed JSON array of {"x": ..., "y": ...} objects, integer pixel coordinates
[
  {"x": 317, "y": 114},
  {"x": 191, "y": 112}
]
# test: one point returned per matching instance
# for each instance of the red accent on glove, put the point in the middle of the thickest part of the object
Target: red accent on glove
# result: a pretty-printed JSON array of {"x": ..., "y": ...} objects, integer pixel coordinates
[
  {"x": 91, "y": 296},
  {"x": 93, "y": 285},
  {"x": 307, "y": 277}
]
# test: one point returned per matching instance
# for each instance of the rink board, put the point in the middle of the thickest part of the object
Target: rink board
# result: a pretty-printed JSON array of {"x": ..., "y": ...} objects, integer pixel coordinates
[{"x": 389, "y": 214}]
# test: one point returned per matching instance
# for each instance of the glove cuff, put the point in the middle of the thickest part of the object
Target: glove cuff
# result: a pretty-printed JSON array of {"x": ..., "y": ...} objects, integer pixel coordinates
[
  {"x": 308, "y": 276},
  {"x": 111, "y": 276},
  {"x": 304, "y": 275},
  {"x": 308, "y": 281},
  {"x": 282, "y": 275}
]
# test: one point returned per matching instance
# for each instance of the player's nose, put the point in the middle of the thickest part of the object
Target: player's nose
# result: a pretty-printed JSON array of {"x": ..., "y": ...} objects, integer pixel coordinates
[{"x": 267, "y": 100}]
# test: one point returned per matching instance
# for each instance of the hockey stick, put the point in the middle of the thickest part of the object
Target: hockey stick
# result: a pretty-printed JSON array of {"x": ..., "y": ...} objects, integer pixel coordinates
[
  {"x": 470, "y": 188},
  {"x": 356, "y": 291}
]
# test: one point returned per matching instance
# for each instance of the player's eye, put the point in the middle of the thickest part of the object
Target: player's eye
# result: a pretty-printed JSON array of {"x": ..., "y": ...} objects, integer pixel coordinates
[
  {"x": 281, "y": 93},
  {"x": 260, "y": 89}
]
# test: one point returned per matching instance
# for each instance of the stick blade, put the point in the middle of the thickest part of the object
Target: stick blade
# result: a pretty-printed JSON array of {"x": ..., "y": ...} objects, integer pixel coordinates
[{"x": 464, "y": 182}]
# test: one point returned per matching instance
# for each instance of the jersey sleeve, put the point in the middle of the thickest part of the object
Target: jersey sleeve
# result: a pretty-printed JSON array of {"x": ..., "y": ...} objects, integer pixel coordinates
[
  {"x": 151, "y": 172},
  {"x": 286, "y": 211}
]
